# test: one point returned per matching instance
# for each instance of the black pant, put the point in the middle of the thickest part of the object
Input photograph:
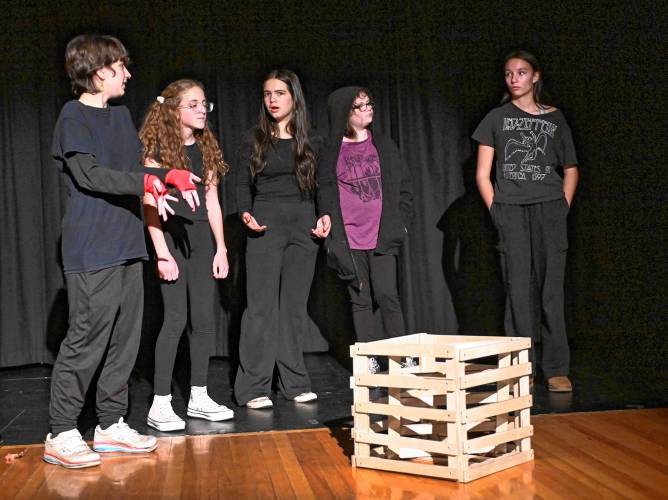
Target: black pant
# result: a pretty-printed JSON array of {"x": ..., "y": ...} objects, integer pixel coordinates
[
  {"x": 377, "y": 276},
  {"x": 105, "y": 313},
  {"x": 279, "y": 270},
  {"x": 533, "y": 242},
  {"x": 191, "y": 245}
]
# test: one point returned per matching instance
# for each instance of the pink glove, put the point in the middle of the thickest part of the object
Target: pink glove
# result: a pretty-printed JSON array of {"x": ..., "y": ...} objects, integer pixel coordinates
[{"x": 180, "y": 179}]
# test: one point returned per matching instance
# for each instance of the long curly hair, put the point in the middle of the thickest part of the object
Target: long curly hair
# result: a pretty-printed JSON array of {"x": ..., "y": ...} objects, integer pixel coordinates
[
  {"x": 266, "y": 133},
  {"x": 161, "y": 135}
]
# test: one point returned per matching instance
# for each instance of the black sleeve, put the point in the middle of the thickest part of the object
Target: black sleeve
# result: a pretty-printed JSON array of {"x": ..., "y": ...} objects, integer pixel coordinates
[
  {"x": 243, "y": 179},
  {"x": 405, "y": 190},
  {"x": 484, "y": 133},
  {"x": 88, "y": 174},
  {"x": 566, "y": 149},
  {"x": 326, "y": 177}
]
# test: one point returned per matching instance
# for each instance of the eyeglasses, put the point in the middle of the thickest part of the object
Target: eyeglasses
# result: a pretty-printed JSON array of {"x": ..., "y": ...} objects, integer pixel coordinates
[
  {"x": 194, "y": 105},
  {"x": 364, "y": 106}
]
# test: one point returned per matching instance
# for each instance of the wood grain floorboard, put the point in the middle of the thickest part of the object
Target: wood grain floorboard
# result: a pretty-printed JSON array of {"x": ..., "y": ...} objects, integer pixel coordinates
[{"x": 617, "y": 454}]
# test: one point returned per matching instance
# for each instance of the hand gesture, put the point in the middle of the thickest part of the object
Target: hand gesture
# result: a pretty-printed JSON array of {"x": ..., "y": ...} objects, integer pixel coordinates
[
  {"x": 322, "y": 227},
  {"x": 251, "y": 223},
  {"x": 168, "y": 270},
  {"x": 220, "y": 265}
]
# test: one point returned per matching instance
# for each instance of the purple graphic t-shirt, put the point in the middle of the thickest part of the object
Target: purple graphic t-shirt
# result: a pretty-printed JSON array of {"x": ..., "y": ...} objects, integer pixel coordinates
[{"x": 360, "y": 192}]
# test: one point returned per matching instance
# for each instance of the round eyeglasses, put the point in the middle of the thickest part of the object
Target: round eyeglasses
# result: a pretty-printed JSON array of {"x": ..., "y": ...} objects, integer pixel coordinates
[{"x": 194, "y": 106}]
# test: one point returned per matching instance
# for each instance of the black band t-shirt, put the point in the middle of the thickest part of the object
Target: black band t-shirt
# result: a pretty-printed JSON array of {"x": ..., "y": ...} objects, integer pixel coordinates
[
  {"x": 530, "y": 150},
  {"x": 100, "y": 230}
]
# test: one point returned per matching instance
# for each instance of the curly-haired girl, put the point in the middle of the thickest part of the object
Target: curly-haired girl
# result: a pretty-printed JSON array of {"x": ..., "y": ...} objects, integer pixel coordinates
[{"x": 175, "y": 133}]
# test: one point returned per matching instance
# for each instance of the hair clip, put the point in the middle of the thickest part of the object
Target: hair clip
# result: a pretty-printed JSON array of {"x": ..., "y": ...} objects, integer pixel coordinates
[{"x": 160, "y": 99}]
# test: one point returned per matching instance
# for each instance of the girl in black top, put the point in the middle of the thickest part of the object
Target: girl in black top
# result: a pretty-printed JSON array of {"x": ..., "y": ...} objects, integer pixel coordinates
[
  {"x": 534, "y": 184},
  {"x": 275, "y": 191},
  {"x": 190, "y": 247}
]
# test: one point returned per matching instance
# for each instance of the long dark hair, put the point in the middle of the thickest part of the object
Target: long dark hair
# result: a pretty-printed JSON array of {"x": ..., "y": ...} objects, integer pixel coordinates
[
  {"x": 266, "y": 133},
  {"x": 540, "y": 96}
]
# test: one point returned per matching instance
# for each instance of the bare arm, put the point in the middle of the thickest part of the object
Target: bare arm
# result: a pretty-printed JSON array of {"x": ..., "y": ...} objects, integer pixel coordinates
[
  {"x": 167, "y": 267},
  {"x": 215, "y": 213},
  {"x": 571, "y": 178},
  {"x": 483, "y": 171}
]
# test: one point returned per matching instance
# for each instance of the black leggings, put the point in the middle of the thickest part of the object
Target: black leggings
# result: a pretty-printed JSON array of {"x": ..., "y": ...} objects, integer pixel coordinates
[
  {"x": 191, "y": 244},
  {"x": 377, "y": 276}
]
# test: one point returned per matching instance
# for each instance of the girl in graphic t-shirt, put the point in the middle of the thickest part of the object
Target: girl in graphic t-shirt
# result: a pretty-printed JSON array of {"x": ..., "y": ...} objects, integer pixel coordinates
[
  {"x": 534, "y": 181},
  {"x": 190, "y": 247}
]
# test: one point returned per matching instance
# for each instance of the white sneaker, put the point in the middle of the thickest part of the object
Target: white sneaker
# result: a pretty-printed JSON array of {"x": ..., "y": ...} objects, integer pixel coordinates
[
  {"x": 161, "y": 416},
  {"x": 409, "y": 362},
  {"x": 374, "y": 367},
  {"x": 202, "y": 406},
  {"x": 261, "y": 402},
  {"x": 305, "y": 397},
  {"x": 120, "y": 437},
  {"x": 69, "y": 450}
]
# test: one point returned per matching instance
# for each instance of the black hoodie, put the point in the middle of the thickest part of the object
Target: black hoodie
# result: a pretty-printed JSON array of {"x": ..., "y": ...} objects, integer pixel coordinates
[{"x": 396, "y": 185}]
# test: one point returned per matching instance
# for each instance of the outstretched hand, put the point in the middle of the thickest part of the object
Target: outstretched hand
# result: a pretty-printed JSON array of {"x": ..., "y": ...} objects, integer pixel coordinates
[
  {"x": 251, "y": 223},
  {"x": 322, "y": 227}
]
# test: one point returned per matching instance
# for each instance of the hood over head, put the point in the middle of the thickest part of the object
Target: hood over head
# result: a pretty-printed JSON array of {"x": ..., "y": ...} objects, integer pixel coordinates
[{"x": 339, "y": 104}]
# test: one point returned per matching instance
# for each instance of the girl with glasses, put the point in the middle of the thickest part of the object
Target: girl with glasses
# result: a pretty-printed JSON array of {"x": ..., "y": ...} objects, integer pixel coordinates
[
  {"x": 534, "y": 182},
  {"x": 190, "y": 247},
  {"x": 275, "y": 194},
  {"x": 365, "y": 188}
]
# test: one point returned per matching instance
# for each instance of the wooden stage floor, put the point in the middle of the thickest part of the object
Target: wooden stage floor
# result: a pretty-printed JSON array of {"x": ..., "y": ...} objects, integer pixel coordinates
[{"x": 612, "y": 454}]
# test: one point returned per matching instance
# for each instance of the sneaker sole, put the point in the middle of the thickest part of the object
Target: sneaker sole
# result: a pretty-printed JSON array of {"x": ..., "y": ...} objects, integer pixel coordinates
[
  {"x": 69, "y": 465},
  {"x": 212, "y": 417},
  {"x": 260, "y": 406},
  {"x": 117, "y": 448},
  {"x": 166, "y": 426},
  {"x": 307, "y": 400}
]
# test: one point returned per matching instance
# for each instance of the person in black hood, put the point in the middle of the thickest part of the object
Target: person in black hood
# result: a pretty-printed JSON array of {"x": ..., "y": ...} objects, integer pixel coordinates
[{"x": 365, "y": 188}]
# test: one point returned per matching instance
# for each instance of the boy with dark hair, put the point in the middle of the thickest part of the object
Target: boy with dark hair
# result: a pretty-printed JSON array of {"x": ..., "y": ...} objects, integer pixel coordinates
[{"x": 98, "y": 152}]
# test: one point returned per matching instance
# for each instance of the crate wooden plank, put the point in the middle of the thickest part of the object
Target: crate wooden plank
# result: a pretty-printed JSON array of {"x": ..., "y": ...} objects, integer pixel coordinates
[
  {"x": 495, "y": 375},
  {"x": 492, "y": 465},
  {"x": 511, "y": 344},
  {"x": 405, "y": 466},
  {"x": 417, "y": 350},
  {"x": 402, "y": 381},
  {"x": 405, "y": 411},
  {"x": 497, "y": 438},
  {"x": 494, "y": 409},
  {"x": 406, "y": 442}
]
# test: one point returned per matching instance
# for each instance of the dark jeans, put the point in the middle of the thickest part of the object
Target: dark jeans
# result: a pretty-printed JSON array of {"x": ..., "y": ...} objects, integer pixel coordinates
[
  {"x": 532, "y": 243},
  {"x": 377, "y": 276},
  {"x": 279, "y": 270},
  {"x": 192, "y": 246},
  {"x": 105, "y": 313}
]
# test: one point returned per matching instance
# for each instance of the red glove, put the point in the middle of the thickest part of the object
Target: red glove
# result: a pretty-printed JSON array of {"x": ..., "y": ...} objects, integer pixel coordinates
[
  {"x": 180, "y": 179},
  {"x": 150, "y": 186}
]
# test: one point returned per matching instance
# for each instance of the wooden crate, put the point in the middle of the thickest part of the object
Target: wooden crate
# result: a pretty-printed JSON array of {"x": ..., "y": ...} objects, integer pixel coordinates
[{"x": 456, "y": 415}]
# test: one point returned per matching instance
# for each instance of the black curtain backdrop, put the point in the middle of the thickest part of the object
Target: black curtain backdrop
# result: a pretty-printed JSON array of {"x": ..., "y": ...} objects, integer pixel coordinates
[{"x": 435, "y": 70}]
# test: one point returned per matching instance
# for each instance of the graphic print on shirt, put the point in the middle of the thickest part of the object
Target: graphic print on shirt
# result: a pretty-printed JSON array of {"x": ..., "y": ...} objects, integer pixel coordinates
[
  {"x": 362, "y": 174},
  {"x": 535, "y": 135}
]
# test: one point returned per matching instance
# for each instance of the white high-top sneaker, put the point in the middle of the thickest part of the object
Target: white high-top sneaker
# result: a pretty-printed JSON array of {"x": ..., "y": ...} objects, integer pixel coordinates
[
  {"x": 161, "y": 416},
  {"x": 202, "y": 406}
]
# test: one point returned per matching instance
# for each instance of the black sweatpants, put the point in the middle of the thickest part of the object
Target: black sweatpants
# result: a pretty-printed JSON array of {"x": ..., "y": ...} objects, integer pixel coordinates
[
  {"x": 279, "y": 270},
  {"x": 192, "y": 246},
  {"x": 532, "y": 243},
  {"x": 105, "y": 313},
  {"x": 377, "y": 277}
]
